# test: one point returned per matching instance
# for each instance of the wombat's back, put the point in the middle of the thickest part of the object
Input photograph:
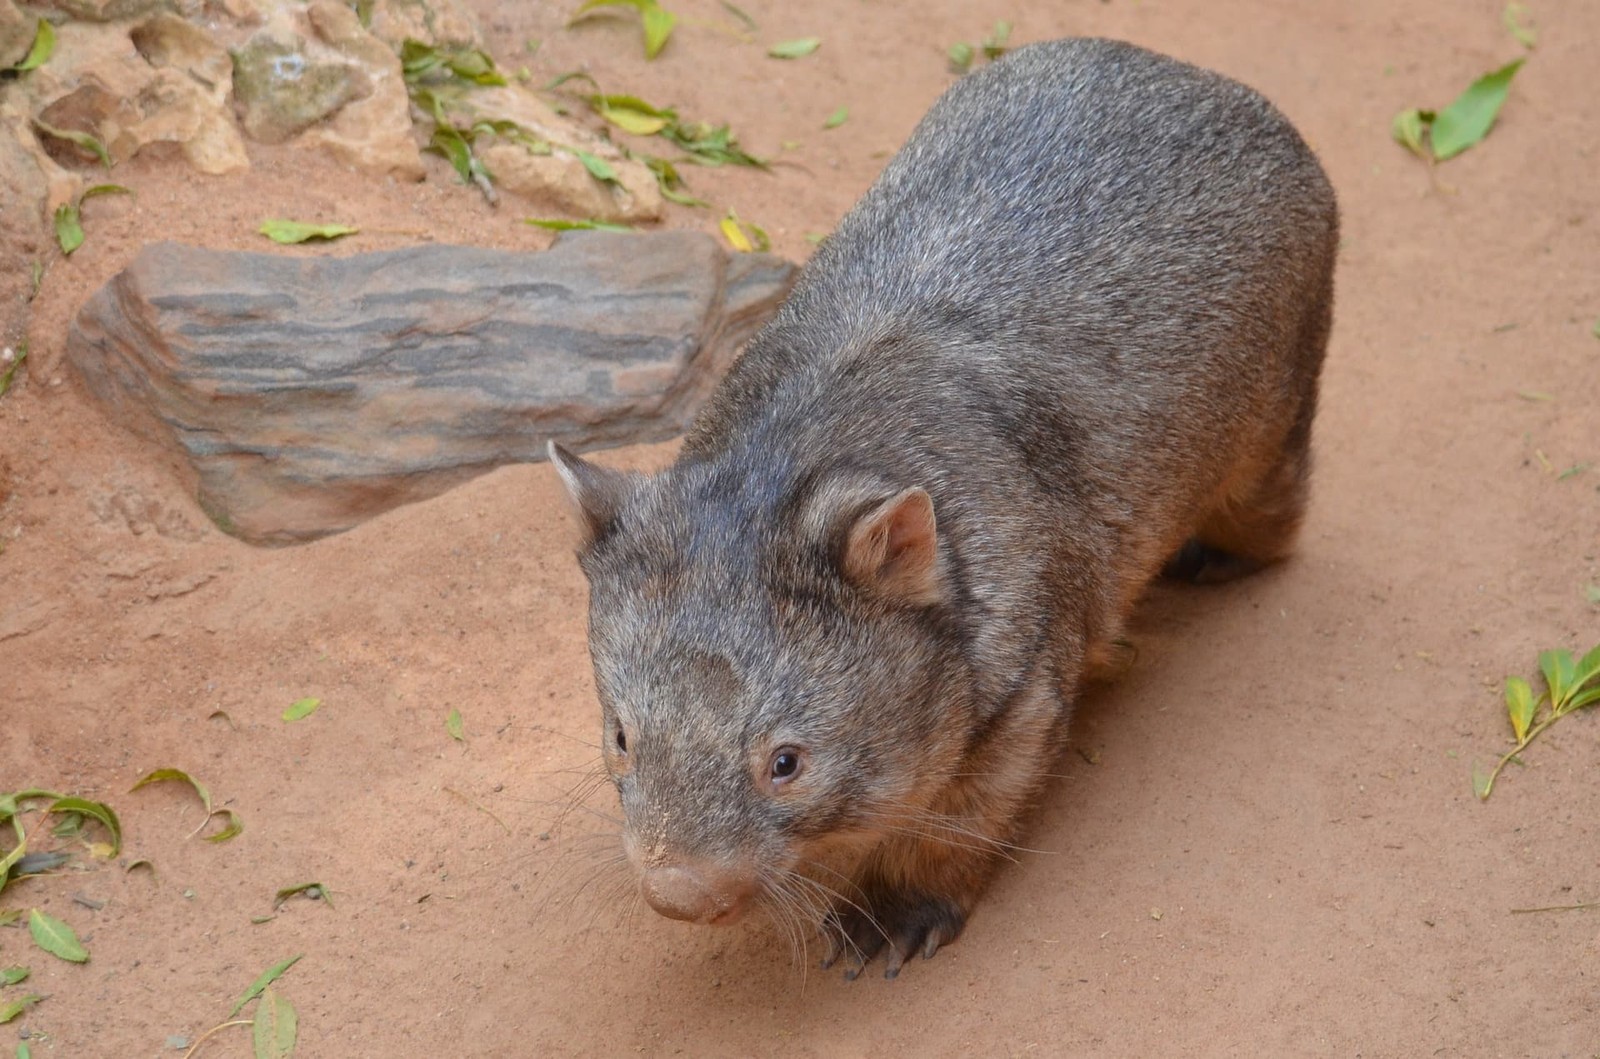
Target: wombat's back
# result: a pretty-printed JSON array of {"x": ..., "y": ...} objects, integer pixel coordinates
[
  {"x": 1081, "y": 189},
  {"x": 1120, "y": 263}
]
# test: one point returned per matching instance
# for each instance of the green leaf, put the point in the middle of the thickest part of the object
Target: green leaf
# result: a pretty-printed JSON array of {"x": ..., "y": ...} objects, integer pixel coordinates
[
  {"x": 656, "y": 21},
  {"x": 300, "y": 231},
  {"x": 598, "y": 167},
  {"x": 103, "y": 189},
  {"x": 837, "y": 118},
  {"x": 1558, "y": 669},
  {"x": 69, "y": 228},
  {"x": 99, "y": 810},
  {"x": 55, "y": 937},
  {"x": 179, "y": 776},
  {"x": 1513, "y": 17},
  {"x": 1407, "y": 129},
  {"x": 745, "y": 20},
  {"x": 314, "y": 890},
  {"x": 669, "y": 181},
  {"x": 632, "y": 114},
  {"x": 795, "y": 49},
  {"x": 735, "y": 234},
  {"x": 17, "y": 1007},
  {"x": 266, "y": 978},
  {"x": 23, "y": 1051},
  {"x": 450, "y": 143},
  {"x": 234, "y": 826},
  {"x": 1587, "y": 669},
  {"x": 233, "y": 829},
  {"x": 44, "y": 46},
  {"x": 453, "y": 725},
  {"x": 961, "y": 55},
  {"x": 88, "y": 141},
  {"x": 1468, "y": 120},
  {"x": 711, "y": 146},
  {"x": 1482, "y": 781},
  {"x": 994, "y": 45},
  {"x": 744, "y": 236},
  {"x": 556, "y": 224},
  {"x": 9, "y": 916},
  {"x": 273, "y": 1029},
  {"x": 1520, "y": 706},
  {"x": 1582, "y": 699},
  {"x": 13, "y": 975},
  {"x": 301, "y": 708},
  {"x": 6, "y": 376}
]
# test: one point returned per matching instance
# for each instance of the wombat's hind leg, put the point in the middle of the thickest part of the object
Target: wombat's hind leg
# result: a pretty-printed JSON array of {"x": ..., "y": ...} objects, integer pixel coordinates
[{"x": 1254, "y": 520}]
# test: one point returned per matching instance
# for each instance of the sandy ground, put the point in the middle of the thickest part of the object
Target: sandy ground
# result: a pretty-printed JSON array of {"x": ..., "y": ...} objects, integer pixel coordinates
[{"x": 1276, "y": 850}]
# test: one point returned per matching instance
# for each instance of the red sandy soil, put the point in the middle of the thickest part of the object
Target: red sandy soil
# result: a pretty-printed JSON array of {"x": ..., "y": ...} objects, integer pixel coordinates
[{"x": 1266, "y": 842}]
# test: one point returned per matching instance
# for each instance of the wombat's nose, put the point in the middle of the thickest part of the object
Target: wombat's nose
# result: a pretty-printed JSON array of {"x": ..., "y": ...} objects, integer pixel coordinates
[{"x": 694, "y": 893}]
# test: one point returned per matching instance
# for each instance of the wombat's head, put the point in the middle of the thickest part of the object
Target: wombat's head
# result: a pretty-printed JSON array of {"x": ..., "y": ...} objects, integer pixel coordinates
[{"x": 780, "y": 683}]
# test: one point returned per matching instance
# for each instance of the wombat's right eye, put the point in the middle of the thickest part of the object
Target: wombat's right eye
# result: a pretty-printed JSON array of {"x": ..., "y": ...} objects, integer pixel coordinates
[{"x": 622, "y": 741}]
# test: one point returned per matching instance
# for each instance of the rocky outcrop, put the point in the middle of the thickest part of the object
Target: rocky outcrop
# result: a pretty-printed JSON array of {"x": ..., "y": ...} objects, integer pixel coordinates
[{"x": 306, "y": 394}]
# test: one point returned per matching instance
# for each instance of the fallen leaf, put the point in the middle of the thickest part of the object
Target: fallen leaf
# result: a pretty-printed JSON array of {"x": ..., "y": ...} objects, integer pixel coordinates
[
  {"x": 598, "y": 167},
  {"x": 273, "y": 1029},
  {"x": 656, "y": 21},
  {"x": 232, "y": 829},
  {"x": 10, "y": 371},
  {"x": 961, "y": 55},
  {"x": 557, "y": 224},
  {"x": 301, "y": 708},
  {"x": 795, "y": 49},
  {"x": 837, "y": 118},
  {"x": 1468, "y": 120},
  {"x": 16, "y": 1007},
  {"x": 453, "y": 725},
  {"x": 287, "y": 232},
  {"x": 69, "y": 228},
  {"x": 99, "y": 811},
  {"x": 1513, "y": 17},
  {"x": 13, "y": 975},
  {"x": 1520, "y": 705},
  {"x": 314, "y": 890},
  {"x": 744, "y": 19},
  {"x": 632, "y": 114},
  {"x": 235, "y": 824},
  {"x": 994, "y": 45},
  {"x": 1407, "y": 129},
  {"x": 56, "y": 937},
  {"x": 735, "y": 235},
  {"x": 266, "y": 978},
  {"x": 44, "y": 46},
  {"x": 87, "y": 141}
]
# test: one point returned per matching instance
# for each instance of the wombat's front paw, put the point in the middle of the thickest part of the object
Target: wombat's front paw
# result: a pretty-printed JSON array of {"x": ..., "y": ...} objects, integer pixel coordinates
[{"x": 905, "y": 923}]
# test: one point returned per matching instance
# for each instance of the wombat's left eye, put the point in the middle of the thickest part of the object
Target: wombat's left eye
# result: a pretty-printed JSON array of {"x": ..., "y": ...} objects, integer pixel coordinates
[{"x": 785, "y": 764}]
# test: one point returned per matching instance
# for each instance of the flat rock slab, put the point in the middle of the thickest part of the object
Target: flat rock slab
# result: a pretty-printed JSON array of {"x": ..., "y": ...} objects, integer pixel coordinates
[{"x": 307, "y": 394}]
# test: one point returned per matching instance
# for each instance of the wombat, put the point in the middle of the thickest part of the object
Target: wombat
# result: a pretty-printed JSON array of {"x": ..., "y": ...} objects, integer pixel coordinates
[{"x": 1070, "y": 337}]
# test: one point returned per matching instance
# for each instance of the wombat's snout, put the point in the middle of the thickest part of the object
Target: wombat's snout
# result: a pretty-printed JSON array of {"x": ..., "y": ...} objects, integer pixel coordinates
[{"x": 698, "y": 893}]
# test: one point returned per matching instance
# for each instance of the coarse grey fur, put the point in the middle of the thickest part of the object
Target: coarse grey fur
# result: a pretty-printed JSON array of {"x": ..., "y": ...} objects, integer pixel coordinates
[{"x": 1084, "y": 311}]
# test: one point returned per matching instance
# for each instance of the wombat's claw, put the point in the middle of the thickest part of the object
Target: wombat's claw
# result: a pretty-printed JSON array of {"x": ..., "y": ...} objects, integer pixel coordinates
[{"x": 914, "y": 926}]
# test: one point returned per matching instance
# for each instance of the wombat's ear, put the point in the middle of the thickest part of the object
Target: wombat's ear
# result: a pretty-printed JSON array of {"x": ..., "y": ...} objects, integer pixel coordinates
[
  {"x": 597, "y": 493},
  {"x": 893, "y": 549}
]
